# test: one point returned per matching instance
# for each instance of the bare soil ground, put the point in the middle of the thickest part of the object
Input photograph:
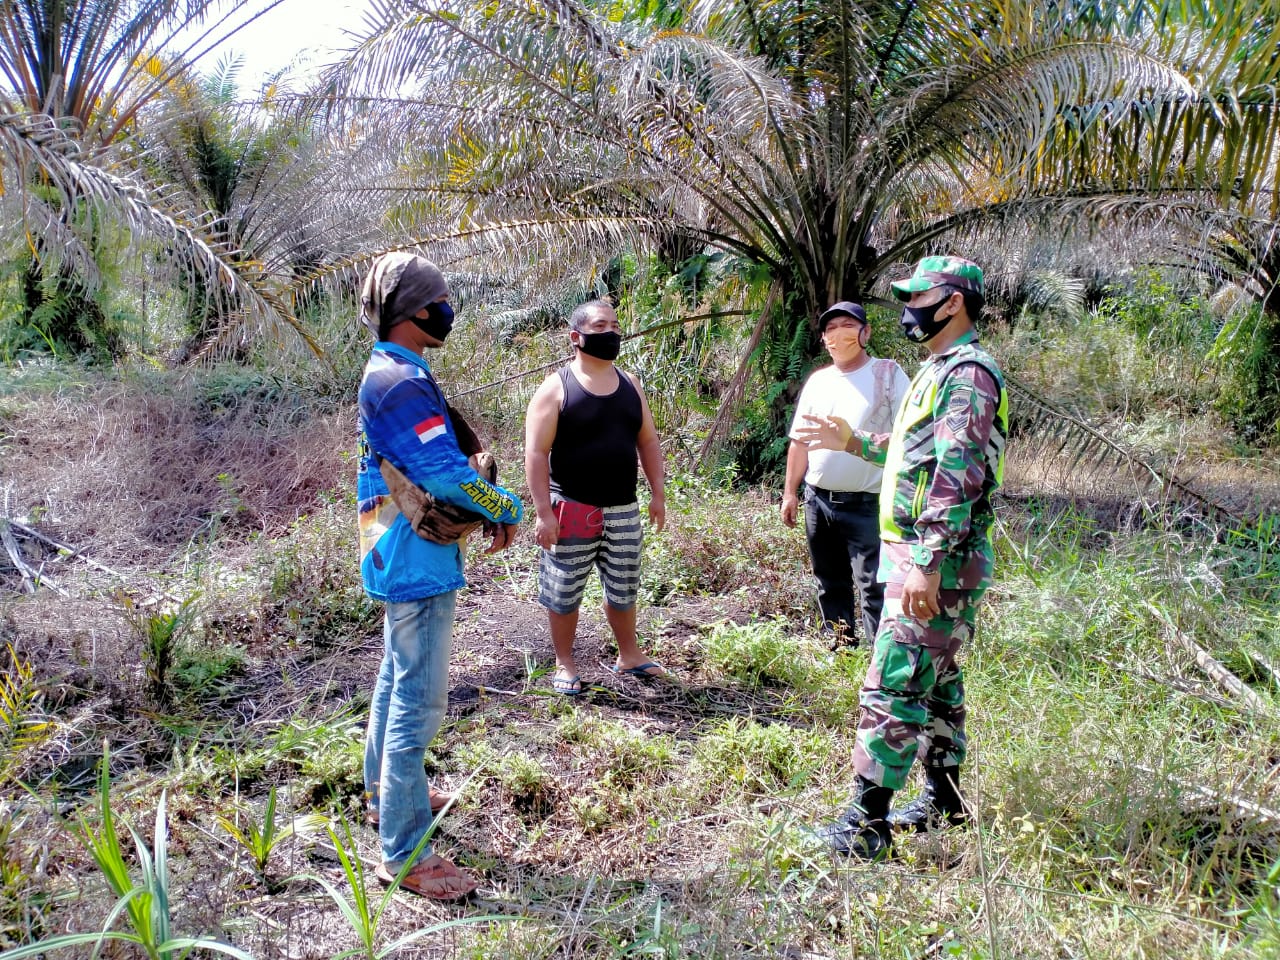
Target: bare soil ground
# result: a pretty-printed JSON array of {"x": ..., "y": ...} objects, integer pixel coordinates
[{"x": 588, "y": 817}]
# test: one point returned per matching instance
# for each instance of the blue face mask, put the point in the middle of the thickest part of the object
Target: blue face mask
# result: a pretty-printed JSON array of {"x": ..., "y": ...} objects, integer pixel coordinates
[{"x": 438, "y": 321}]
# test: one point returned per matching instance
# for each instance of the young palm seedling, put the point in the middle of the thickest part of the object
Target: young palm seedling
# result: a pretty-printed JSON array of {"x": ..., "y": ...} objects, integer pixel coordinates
[
  {"x": 362, "y": 913},
  {"x": 260, "y": 839},
  {"x": 22, "y": 726},
  {"x": 159, "y": 633},
  {"x": 144, "y": 903}
]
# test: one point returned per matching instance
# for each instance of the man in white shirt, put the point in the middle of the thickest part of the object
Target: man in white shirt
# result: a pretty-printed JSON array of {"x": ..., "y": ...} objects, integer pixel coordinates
[{"x": 842, "y": 492}]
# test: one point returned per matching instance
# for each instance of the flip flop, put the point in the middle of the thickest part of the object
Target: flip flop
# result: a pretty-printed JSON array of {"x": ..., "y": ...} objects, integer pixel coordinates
[
  {"x": 644, "y": 670},
  {"x": 567, "y": 686},
  {"x": 431, "y": 880}
]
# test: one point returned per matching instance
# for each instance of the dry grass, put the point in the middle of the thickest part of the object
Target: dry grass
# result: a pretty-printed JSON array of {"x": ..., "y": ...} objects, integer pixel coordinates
[
  {"x": 133, "y": 469},
  {"x": 645, "y": 819}
]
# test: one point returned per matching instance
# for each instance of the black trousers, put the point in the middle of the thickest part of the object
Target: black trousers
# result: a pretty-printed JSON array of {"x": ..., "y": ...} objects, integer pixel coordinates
[{"x": 843, "y": 530}]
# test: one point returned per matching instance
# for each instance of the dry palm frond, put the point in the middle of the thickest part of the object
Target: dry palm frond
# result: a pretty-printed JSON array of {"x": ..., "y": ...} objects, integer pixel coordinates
[{"x": 1046, "y": 431}]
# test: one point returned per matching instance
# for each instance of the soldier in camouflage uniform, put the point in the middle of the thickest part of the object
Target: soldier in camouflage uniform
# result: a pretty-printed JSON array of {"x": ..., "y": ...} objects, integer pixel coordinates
[{"x": 942, "y": 461}]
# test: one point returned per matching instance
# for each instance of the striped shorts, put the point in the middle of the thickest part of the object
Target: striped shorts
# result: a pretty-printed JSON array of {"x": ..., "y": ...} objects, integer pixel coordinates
[{"x": 563, "y": 570}]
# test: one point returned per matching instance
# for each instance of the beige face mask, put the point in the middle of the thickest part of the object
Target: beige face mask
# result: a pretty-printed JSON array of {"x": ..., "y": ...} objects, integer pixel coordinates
[{"x": 843, "y": 344}]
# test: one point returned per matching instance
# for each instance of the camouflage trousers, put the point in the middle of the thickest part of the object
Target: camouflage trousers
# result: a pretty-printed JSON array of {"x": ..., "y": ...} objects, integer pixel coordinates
[{"x": 913, "y": 694}]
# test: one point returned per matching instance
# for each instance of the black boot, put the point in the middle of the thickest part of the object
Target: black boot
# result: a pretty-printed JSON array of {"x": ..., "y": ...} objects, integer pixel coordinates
[
  {"x": 862, "y": 831},
  {"x": 939, "y": 805}
]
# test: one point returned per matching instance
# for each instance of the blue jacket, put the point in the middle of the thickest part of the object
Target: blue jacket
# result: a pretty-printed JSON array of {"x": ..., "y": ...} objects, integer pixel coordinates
[{"x": 403, "y": 418}]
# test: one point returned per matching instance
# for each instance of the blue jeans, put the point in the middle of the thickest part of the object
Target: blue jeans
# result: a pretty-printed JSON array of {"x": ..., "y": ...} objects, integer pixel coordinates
[{"x": 409, "y": 701}]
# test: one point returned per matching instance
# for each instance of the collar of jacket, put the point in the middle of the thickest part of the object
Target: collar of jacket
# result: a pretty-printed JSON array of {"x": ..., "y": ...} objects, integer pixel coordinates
[
  {"x": 969, "y": 336},
  {"x": 387, "y": 346}
]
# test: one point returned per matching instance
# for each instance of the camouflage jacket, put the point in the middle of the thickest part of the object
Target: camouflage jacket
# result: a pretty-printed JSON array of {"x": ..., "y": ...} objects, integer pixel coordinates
[{"x": 942, "y": 461}]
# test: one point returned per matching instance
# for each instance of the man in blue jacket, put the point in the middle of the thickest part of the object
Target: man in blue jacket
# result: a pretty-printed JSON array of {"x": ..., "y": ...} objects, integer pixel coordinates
[{"x": 405, "y": 421}]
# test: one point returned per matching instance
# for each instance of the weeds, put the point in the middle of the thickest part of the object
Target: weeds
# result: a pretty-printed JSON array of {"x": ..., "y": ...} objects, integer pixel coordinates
[
  {"x": 628, "y": 757},
  {"x": 525, "y": 780},
  {"x": 362, "y": 914},
  {"x": 328, "y": 752},
  {"x": 21, "y": 899},
  {"x": 1263, "y": 918},
  {"x": 761, "y": 653},
  {"x": 667, "y": 941},
  {"x": 757, "y": 758}
]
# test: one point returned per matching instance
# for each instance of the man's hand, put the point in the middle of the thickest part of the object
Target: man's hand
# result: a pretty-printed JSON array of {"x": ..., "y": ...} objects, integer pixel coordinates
[
  {"x": 547, "y": 531},
  {"x": 790, "y": 508},
  {"x": 658, "y": 513},
  {"x": 920, "y": 594},
  {"x": 826, "y": 433},
  {"x": 502, "y": 535}
]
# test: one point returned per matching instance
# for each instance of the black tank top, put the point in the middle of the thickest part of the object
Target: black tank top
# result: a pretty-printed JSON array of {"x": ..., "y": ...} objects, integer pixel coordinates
[{"x": 593, "y": 457}]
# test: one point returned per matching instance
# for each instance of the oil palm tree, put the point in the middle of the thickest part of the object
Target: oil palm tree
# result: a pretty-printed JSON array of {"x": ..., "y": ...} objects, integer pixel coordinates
[
  {"x": 825, "y": 143},
  {"x": 86, "y": 69},
  {"x": 264, "y": 182}
]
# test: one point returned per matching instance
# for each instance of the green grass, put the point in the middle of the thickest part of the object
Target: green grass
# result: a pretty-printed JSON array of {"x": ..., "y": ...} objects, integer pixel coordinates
[
  {"x": 1102, "y": 768},
  {"x": 669, "y": 819}
]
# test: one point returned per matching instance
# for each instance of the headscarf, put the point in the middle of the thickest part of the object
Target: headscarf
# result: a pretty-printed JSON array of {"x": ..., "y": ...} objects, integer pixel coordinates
[{"x": 398, "y": 286}]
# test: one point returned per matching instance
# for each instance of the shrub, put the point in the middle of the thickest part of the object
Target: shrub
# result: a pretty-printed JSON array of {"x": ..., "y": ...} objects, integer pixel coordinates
[
  {"x": 763, "y": 652},
  {"x": 1247, "y": 352}
]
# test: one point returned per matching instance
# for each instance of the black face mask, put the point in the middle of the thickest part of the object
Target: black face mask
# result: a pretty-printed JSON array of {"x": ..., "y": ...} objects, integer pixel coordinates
[
  {"x": 602, "y": 346},
  {"x": 438, "y": 321},
  {"x": 921, "y": 324}
]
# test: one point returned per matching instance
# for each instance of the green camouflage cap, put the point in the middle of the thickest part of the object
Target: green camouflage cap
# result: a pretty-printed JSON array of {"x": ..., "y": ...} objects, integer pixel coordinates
[{"x": 934, "y": 271}]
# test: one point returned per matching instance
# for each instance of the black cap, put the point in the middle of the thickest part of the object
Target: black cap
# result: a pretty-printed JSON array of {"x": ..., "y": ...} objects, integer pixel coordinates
[{"x": 844, "y": 307}]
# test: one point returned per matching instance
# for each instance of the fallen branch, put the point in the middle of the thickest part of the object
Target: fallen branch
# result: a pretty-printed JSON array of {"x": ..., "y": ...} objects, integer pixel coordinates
[
  {"x": 1243, "y": 806},
  {"x": 1216, "y": 671},
  {"x": 15, "y": 555},
  {"x": 1180, "y": 684},
  {"x": 71, "y": 552},
  {"x": 1267, "y": 666},
  {"x": 32, "y": 579}
]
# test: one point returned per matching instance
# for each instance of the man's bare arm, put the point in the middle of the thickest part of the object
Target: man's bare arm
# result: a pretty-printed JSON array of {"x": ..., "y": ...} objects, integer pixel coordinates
[
  {"x": 539, "y": 434},
  {"x": 649, "y": 448}
]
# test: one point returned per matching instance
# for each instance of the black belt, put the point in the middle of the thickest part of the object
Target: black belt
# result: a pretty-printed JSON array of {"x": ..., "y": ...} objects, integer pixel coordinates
[{"x": 844, "y": 496}]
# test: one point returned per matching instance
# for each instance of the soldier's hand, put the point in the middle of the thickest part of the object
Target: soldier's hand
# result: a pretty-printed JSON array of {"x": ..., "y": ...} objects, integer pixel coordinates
[
  {"x": 502, "y": 535},
  {"x": 547, "y": 531},
  {"x": 790, "y": 509},
  {"x": 920, "y": 594}
]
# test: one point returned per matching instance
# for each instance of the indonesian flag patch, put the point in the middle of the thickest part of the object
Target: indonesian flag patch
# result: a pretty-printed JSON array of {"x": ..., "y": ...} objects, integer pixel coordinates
[{"x": 429, "y": 429}]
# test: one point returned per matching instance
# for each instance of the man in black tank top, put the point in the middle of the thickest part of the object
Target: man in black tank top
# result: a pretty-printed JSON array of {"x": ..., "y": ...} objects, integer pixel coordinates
[{"x": 588, "y": 432}]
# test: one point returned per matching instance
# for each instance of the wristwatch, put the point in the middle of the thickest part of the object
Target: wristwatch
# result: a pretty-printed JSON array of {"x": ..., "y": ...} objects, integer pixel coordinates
[{"x": 927, "y": 559}]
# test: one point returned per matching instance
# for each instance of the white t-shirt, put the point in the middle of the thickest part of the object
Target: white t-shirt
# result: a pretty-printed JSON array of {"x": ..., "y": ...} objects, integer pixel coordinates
[{"x": 853, "y": 396}]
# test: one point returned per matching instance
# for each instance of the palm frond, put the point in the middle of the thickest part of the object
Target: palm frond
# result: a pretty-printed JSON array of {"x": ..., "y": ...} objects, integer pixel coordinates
[
  {"x": 36, "y": 143},
  {"x": 1047, "y": 432}
]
